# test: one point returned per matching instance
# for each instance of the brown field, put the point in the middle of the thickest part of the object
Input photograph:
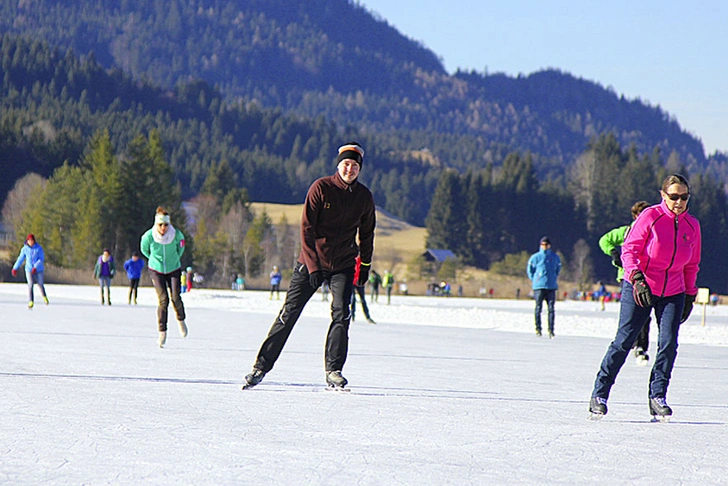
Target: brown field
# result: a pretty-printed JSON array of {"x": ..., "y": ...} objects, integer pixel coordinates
[{"x": 398, "y": 243}]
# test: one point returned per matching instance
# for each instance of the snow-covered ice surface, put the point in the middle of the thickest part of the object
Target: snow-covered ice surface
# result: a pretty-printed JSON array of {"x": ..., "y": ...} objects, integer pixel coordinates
[{"x": 444, "y": 391}]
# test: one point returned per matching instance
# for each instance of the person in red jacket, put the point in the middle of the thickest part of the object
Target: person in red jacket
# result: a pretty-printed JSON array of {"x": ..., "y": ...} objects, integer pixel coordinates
[
  {"x": 359, "y": 290},
  {"x": 336, "y": 210},
  {"x": 661, "y": 259}
]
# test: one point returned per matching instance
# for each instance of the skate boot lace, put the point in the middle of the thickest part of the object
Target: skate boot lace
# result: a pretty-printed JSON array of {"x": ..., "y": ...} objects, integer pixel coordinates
[{"x": 661, "y": 401}]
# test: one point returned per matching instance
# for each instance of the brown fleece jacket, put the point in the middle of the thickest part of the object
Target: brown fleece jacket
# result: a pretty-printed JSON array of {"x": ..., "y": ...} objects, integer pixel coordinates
[{"x": 333, "y": 213}]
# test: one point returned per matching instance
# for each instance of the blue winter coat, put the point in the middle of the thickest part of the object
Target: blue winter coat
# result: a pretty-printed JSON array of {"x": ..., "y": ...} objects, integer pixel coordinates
[
  {"x": 33, "y": 257},
  {"x": 543, "y": 270},
  {"x": 134, "y": 268}
]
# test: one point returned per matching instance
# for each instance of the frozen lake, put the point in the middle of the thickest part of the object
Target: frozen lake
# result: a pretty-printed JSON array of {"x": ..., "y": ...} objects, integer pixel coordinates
[{"x": 444, "y": 391}]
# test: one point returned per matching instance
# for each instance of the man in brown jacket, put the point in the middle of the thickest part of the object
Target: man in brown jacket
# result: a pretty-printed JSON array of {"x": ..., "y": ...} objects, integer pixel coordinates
[{"x": 336, "y": 210}]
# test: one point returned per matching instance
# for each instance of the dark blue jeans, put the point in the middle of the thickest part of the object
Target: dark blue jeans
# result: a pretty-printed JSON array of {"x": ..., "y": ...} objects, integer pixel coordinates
[
  {"x": 632, "y": 317},
  {"x": 300, "y": 291},
  {"x": 549, "y": 295}
]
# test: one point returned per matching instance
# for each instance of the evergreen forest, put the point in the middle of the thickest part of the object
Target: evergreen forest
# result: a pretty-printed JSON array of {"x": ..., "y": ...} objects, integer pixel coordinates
[{"x": 110, "y": 109}]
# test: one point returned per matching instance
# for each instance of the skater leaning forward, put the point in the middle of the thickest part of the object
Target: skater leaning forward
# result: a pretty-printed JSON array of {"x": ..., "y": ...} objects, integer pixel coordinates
[
  {"x": 661, "y": 257},
  {"x": 336, "y": 208},
  {"x": 163, "y": 246}
]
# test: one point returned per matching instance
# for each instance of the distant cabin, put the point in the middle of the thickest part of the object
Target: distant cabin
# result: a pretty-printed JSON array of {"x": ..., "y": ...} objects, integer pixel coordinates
[{"x": 433, "y": 259}]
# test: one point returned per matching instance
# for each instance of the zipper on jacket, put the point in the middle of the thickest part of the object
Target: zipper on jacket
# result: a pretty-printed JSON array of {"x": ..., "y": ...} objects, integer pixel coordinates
[
  {"x": 338, "y": 231},
  {"x": 672, "y": 260}
]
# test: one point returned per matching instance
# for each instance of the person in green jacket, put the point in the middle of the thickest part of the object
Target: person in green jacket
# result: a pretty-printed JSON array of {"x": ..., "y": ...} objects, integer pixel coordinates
[
  {"x": 163, "y": 246},
  {"x": 610, "y": 244}
]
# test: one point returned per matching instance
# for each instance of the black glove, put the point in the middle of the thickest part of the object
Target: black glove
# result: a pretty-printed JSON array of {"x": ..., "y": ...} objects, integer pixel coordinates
[
  {"x": 363, "y": 275},
  {"x": 688, "y": 307},
  {"x": 616, "y": 258},
  {"x": 316, "y": 279},
  {"x": 641, "y": 290}
]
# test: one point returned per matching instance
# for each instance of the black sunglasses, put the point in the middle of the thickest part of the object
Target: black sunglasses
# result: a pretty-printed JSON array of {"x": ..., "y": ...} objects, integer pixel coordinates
[{"x": 675, "y": 196}]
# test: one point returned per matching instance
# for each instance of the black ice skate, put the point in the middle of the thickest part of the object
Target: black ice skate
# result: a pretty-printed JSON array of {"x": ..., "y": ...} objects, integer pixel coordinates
[
  {"x": 642, "y": 357},
  {"x": 597, "y": 408},
  {"x": 335, "y": 380},
  {"x": 253, "y": 378},
  {"x": 659, "y": 409}
]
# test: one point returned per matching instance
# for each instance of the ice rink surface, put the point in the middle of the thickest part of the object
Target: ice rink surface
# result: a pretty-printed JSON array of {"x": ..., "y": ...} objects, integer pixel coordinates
[{"x": 444, "y": 391}]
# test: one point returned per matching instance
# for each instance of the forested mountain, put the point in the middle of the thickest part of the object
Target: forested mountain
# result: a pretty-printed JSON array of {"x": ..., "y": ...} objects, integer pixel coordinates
[
  {"x": 333, "y": 58},
  {"x": 489, "y": 162}
]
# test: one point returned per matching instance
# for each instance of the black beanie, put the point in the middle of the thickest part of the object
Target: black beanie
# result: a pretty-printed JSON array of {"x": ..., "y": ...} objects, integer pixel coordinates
[{"x": 351, "y": 150}]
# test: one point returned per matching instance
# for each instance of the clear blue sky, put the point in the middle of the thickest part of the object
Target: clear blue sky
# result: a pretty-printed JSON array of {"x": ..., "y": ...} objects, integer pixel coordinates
[{"x": 668, "y": 53}]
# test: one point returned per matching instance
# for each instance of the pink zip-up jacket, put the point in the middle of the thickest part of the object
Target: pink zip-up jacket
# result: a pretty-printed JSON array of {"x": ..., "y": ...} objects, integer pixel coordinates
[{"x": 666, "y": 247}]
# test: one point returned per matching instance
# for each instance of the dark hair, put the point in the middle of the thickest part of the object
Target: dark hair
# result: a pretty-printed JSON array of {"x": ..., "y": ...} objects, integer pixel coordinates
[
  {"x": 161, "y": 210},
  {"x": 675, "y": 179},
  {"x": 638, "y": 207}
]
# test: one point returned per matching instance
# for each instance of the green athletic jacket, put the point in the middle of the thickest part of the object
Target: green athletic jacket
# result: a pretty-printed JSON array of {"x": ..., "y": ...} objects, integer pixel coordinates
[
  {"x": 163, "y": 257},
  {"x": 614, "y": 239}
]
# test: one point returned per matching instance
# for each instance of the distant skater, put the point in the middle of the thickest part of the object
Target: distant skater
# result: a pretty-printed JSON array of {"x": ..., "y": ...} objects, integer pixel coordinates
[
  {"x": 543, "y": 270},
  {"x": 32, "y": 254},
  {"x": 134, "y": 267},
  {"x": 275, "y": 283},
  {"x": 361, "y": 292},
  {"x": 104, "y": 271},
  {"x": 163, "y": 246}
]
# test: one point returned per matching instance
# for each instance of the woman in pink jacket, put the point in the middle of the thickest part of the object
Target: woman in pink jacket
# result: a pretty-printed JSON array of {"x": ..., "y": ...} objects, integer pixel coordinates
[{"x": 661, "y": 257}]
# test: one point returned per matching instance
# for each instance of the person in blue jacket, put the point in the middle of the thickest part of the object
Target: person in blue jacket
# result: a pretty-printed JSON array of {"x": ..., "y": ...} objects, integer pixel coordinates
[
  {"x": 543, "y": 270},
  {"x": 134, "y": 267},
  {"x": 275, "y": 283},
  {"x": 34, "y": 258}
]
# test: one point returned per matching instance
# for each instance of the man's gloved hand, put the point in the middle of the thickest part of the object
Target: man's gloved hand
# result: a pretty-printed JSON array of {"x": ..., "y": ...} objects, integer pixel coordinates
[
  {"x": 363, "y": 275},
  {"x": 316, "y": 279},
  {"x": 14, "y": 272},
  {"x": 688, "y": 307},
  {"x": 616, "y": 257},
  {"x": 33, "y": 270},
  {"x": 641, "y": 290}
]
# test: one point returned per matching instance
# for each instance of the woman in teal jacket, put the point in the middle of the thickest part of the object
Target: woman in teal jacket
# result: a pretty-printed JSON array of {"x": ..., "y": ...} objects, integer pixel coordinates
[{"x": 163, "y": 246}]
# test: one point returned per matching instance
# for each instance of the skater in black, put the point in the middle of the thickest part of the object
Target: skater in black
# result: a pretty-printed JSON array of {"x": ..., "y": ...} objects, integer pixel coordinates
[
  {"x": 611, "y": 243},
  {"x": 661, "y": 259},
  {"x": 360, "y": 291},
  {"x": 336, "y": 209}
]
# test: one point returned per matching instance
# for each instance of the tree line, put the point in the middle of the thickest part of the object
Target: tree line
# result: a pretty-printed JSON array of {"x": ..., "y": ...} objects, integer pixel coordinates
[{"x": 487, "y": 216}]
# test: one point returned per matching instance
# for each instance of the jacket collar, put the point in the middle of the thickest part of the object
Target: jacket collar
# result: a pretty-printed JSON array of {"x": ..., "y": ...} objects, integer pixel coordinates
[{"x": 666, "y": 210}]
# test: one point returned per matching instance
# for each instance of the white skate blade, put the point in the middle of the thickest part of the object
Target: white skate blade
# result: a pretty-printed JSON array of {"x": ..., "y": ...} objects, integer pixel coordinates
[
  {"x": 661, "y": 418},
  {"x": 595, "y": 416},
  {"x": 339, "y": 389}
]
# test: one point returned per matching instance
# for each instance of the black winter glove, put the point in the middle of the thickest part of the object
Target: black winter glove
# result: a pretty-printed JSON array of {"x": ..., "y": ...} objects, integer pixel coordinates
[
  {"x": 363, "y": 275},
  {"x": 316, "y": 279},
  {"x": 616, "y": 258},
  {"x": 688, "y": 307},
  {"x": 641, "y": 290}
]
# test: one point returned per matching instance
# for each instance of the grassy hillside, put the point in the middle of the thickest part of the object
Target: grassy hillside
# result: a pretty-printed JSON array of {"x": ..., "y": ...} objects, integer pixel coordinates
[{"x": 396, "y": 243}]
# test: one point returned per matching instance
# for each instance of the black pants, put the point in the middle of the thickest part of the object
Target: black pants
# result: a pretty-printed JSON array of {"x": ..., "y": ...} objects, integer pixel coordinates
[
  {"x": 359, "y": 291},
  {"x": 277, "y": 289},
  {"x": 299, "y": 293},
  {"x": 643, "y": 338},
  {"x": 133, "y": 289},
  {"x": 549, "y": 295},
  {"x": 168, "y": 285}
]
